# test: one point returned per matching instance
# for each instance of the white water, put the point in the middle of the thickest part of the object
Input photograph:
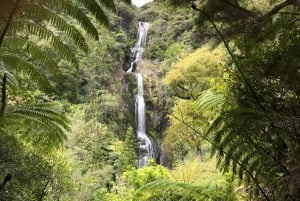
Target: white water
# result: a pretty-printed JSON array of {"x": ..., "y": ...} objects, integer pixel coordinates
[
  {"x": 140, "y": 3},
  {"x": 145, "y": 144},
  {"x": 138, "y": 49}
]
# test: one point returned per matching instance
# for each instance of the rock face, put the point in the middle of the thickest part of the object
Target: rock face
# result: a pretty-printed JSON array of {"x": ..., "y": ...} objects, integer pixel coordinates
[
  {"x": 155, "y": 101},
  {"x": 156, "y": 108}
]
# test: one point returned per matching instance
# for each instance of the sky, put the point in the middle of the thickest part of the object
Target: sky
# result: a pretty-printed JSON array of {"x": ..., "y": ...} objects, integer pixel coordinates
[{"x": 140, "y": 3}]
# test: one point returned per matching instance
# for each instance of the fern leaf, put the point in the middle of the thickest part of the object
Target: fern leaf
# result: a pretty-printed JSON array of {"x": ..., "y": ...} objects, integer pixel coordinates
[
  {"x": 208, "y": 100},
  {"x": 43, "y": 115},
  {"x": 12, "y": 83},
  {"x": 46, "y": 34},
  {"x": 67, "y": 8},
  {"x": 19, "y": 64},
  {"x": 97, "y": 11},
  {"x": 108, "y": 4},
  {"x": 43, "y": 111},
  {"x": 30, "y": 48},
  {"x": 34, "y": 11}
]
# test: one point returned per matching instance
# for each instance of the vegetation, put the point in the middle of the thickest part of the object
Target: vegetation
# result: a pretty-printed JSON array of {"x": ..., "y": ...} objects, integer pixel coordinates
[
  {"x": 222, "y": 91},
  {"x": 253, "y": 133}
]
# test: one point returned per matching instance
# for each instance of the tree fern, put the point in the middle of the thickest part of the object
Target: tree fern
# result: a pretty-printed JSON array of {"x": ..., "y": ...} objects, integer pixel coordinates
[
  {"x": 22, "y": 47},
  {"x": 66, "y": 7},
  {"x": 34, "y": 11},
  {"x": 32, "y": 18},
  {"x": 169, "y": 190},
  {"x": 50, "y": 122},
  {"x": 209, "y": 99},
  {"x": 47, "y": 35},
  {"x": 187, "y": 172},
  {"x": 96, "y": 10},
  {"x": 242, "y": 146},
  {"x": 17, "y": 63}
]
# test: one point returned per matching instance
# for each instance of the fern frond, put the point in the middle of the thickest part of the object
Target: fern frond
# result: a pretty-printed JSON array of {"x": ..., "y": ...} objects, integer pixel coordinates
[
  {"x": 97, "y": 11},
  {"x": 30, "y": 48},
  {"x": 19, "y": 64},
  {"x": 67, "y": 8},
  {"x": 44, "y": 111},
  {"x": 216, "y": 124},
  {"x": 34, "y": 11},
  {"x": 175, "y": 190},
  {"x": 44, "y": 115},
  {"x": 12, "y": 83},
  {"x": 108, "y": 4},
  {"x": 208, "y": 100},
  {"x": 46, "y": 34}
]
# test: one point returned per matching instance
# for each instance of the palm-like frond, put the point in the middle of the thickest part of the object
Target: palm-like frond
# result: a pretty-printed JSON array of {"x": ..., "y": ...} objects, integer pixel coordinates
[
  {"x": 34, "y": 11},
  {"x": 12, "y": 82},
  {"x": 68, "y": 8},
  {"x": 168, "y": 190},
  {"x": 44, "y": 116},
  {"x": 46, "y": 34},
  {"x": 17, "y": 63},
  {"x": 209, "y": 99},
  {"x": 110, "y": 4},
  {"x": 242, "y": 144},
  {"x": 46, "y": 19},
  {"x": 27, "y": 47},
  {"x": 96, "y": 10},
  {"x": 187, "y": 172}
]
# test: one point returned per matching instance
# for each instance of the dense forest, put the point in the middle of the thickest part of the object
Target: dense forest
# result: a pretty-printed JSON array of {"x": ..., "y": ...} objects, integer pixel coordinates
[{"x": 177, "y": 100}]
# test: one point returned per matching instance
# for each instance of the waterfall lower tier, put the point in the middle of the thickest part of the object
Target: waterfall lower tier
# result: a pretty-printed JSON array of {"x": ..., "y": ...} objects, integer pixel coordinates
[{"x": 145, "y": 144}]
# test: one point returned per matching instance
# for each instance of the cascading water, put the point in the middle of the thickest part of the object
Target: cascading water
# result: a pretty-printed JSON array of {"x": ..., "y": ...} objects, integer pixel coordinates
[
  {"x": 138, "y": 49},
  {"x": 145, "y": 144}
]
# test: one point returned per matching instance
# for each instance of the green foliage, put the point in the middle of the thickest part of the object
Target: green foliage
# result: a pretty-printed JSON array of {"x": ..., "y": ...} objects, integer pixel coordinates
[
  {"x": 33, "y": 177},
  {"x": 128, "y": 158},
  {"x": 186, "y": 126},
  {"x": 43, "y": 125},
  {"x": 172, "y": 52},
  {"x": 142, "y": 176},
  {"x": 192, "y": 74},
  {"x": 167, "y": 27},
  {"x": 133, "y": 179},
  {"x": 39, "y": 42},
  {"x": 190, "y": 181},
  {"x": 89, "y": 140},
  {"x": 40, "y": 21},
  {"x": 253, "y": 133},
  {"x": 209, "y": 99}
]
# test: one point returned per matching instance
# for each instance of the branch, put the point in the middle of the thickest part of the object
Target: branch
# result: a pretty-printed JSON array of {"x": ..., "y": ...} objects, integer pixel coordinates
[
  {"x": 253, "y": 93},
  {"x": 236, "y": 6},
  {"x": 280, "y": 6},
  {"x": 6, "y": 179},
  {"x": 3, "y": 98},
  {"x": 9, "y": 21}
]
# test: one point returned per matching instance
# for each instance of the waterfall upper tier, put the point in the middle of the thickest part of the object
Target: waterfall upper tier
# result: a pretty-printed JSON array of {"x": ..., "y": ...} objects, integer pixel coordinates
[{"x": 138, "y": 49}]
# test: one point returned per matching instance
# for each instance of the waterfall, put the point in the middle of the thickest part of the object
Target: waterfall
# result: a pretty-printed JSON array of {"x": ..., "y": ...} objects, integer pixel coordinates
[
  {"x": 138, "y": 49},
  {"x": 144, "y": 141},
  {"x": 145, "y": 144}
]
